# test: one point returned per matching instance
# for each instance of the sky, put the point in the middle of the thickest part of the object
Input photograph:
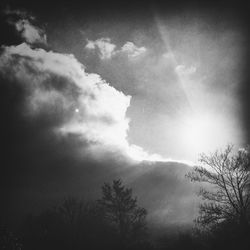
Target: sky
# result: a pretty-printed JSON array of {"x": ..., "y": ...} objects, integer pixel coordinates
[{"x": 93, "y": 92}]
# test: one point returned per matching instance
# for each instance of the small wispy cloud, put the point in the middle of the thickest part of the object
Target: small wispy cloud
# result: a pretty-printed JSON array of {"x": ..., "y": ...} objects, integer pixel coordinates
[
  {"x": 104, "y": 46},
  {"x": 132, "y": 50},
  {"x": 24, "y": 24},
  {"x": 107, "y": 49},
  {"x": 30, "y": 33}
]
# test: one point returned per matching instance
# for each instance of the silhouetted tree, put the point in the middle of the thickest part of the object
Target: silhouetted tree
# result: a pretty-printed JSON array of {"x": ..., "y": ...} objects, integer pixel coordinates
[
  {"x": 122, "y": 211},
  {"x": 227, "y": 196}
]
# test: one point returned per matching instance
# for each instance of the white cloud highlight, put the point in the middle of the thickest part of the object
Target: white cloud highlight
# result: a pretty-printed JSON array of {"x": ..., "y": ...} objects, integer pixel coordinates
[
  {"x": 30, "y": 33},
  {"x": 24, "y": 24},
  {"x": 132, "y": 50},
  {"x": 107, "y": 49}
]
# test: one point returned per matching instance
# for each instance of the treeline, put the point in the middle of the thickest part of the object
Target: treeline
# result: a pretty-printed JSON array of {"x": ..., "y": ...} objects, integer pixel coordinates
[
  {"x": 113, "y": 222},
  {"x": 116, "y": 221}
]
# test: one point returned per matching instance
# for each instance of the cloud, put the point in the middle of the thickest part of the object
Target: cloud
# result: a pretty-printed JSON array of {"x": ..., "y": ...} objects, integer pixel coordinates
[
  {"x": 30, "y": 33},
  {"x": 107, "y": 49},
  {"x": 132, "y": 50},
  {"x": 87, "y": 106},
  {"x": 24, "y": 24}
]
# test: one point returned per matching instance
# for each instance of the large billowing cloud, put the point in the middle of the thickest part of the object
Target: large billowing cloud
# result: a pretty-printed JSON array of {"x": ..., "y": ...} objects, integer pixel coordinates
[{"x": 87, "y": 105}]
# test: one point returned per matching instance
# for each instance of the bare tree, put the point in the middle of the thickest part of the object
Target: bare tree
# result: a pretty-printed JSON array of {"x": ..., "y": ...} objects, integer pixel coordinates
[
  {"x": 121, "y": 209},
  {"x": 226, "y": 196}
]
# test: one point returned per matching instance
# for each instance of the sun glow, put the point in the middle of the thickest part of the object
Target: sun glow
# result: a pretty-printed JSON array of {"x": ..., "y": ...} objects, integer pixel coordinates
[{"x": 204, "y": 133}]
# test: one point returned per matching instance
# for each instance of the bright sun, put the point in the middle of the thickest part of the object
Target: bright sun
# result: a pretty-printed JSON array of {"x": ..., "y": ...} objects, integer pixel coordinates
[{"x": 203, "y": 133}]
